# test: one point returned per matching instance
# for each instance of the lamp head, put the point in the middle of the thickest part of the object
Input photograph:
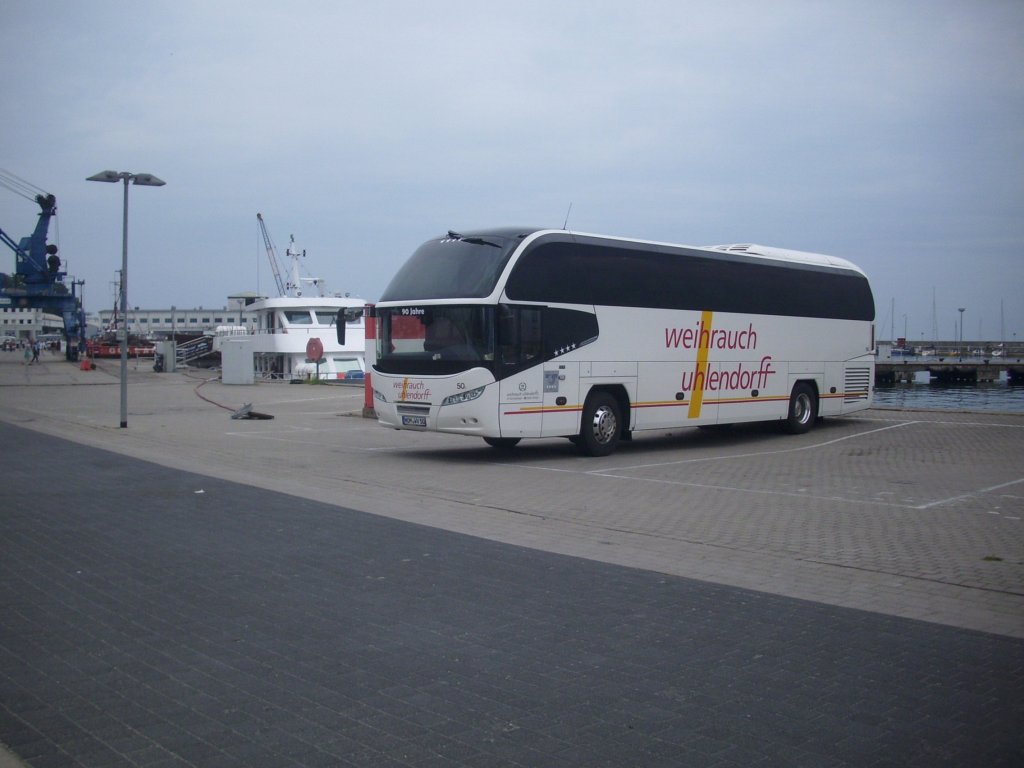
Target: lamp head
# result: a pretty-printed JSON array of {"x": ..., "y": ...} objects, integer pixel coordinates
[
  {"x": 142, "y": 179},
  {"x": 147, "y": 180}
]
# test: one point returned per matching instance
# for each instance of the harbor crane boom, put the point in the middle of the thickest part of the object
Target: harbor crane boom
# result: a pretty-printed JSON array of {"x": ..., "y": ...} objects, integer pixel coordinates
[
  {"x": 38, "y": 279},
  {"x": 272, "y": 255}
]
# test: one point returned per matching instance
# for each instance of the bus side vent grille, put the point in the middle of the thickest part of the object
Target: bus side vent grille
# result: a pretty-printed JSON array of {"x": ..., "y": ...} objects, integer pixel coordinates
[{"x": 858, "y": 382}]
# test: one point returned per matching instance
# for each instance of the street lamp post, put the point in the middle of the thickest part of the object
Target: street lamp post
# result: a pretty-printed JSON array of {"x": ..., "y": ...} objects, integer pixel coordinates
[
  {"x": 961, "y": 345},
  {"x": 145, "y": 180}
]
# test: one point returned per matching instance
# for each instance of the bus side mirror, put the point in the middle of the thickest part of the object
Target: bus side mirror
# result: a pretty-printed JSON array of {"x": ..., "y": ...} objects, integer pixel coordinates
[{"x": 345, "y": 316}]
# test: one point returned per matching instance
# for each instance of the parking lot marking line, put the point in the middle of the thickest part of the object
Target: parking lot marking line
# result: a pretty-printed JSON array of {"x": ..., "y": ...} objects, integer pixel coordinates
[
  {"x": 273, "y": 432},
  {"x": 620, "y": 473},
  {"x": 761, "y": 492},
  {"x": 971, "y": 494},
  {"x": 291, "y": 435},
  {"x": 754, "y": 454},
  {"x": 285, "y": 429},
  {"x": 954, "y": 423}
]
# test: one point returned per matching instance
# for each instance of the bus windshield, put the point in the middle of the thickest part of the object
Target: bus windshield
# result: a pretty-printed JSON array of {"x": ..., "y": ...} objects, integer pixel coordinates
[
  {"x": 456, "y": 266},
  {"x": 424, "y": 340}
]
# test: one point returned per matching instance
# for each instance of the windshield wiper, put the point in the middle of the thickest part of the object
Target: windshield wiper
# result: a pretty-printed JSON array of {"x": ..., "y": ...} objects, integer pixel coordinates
[{"x": 471, "y": 240}]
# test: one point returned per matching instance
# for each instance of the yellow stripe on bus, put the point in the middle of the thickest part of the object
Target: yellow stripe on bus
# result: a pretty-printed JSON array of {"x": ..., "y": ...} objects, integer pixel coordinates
[{"x": 701, "y": 372}]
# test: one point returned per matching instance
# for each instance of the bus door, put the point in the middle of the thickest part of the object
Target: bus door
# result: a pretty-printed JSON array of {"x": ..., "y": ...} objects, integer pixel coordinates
[
  {"x": 519, "y": 370},
  {"x": 521, "y": 403},
  {"x": 561, "y": 397}
]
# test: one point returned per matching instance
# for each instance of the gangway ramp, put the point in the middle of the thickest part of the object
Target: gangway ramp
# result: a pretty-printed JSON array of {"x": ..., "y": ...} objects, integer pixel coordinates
[{"x": 193, "y": 349}]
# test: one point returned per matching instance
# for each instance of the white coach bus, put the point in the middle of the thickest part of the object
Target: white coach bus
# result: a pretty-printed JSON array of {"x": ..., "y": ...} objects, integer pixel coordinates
[{"x": 505, "y": 334}]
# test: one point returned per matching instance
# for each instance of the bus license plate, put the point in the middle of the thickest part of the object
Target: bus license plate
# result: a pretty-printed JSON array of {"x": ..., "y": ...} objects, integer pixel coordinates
[{"x": 414, "y": 421}]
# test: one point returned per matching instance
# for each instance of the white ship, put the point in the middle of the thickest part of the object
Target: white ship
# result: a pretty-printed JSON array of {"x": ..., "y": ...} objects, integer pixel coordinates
[{"x": 286, "y": 325}]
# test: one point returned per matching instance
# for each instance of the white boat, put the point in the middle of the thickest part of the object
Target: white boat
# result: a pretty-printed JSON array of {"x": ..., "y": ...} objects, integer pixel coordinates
[{"x": 286, "y": 325}]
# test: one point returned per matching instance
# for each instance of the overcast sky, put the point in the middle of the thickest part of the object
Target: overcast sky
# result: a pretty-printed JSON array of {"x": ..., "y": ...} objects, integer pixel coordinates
[{"x": 889, "y": 133}]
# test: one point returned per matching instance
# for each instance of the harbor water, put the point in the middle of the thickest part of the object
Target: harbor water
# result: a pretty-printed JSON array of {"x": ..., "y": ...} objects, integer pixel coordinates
[{"x": 988, "y": 396}]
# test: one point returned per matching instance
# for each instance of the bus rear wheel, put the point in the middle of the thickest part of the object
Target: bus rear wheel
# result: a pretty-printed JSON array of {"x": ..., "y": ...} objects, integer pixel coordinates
[
  {"x": 601, "y": 426},
  {"x": 502, "y": 443},
  {"x": 803, "y": 408}
]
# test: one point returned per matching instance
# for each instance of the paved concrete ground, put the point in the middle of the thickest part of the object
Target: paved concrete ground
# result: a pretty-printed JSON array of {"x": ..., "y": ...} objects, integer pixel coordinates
[
  {"x": 152, "y": 616},
  {"x": 910, "y": 513}
]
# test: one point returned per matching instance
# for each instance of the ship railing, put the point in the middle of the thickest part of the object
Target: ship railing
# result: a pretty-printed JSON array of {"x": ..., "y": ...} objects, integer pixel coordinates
[{"x": 273, "y": 376}]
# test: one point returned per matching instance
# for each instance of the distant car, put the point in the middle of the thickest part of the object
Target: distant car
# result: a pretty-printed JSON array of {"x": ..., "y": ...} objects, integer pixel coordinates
[
  {"x": 8, "y": 343},
  {"x": 331, "y": 369}
]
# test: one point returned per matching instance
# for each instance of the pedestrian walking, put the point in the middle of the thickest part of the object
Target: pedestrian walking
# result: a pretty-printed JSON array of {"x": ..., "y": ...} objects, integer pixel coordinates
[{"x": 35, "y": 351}]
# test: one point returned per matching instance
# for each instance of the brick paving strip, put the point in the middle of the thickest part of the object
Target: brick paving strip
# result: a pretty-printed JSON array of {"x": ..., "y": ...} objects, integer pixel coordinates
[{"x": 155, "y": 617}]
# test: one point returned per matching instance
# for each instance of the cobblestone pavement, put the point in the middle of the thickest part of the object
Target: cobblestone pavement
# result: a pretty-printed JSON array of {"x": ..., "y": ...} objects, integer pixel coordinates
[
  {"x": 915, "y": 514},
  {"x": 154, "y": 617},
  {"x": 195, "y": 590}
]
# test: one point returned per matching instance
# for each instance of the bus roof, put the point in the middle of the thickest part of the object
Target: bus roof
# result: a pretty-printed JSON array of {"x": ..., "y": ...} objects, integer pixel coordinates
[
  {"x": 746, "y": 249},
  {"x": 786, "y": 254}
]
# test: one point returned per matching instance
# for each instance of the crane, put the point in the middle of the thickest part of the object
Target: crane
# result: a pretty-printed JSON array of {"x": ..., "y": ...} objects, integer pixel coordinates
[
  {"x": 272, "y": 255},
  {"x": 38, "y": 280}
]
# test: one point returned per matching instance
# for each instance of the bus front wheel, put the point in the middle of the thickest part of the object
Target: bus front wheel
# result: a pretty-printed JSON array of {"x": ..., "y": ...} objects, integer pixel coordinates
[
  {"x": 502, "y": 443},
  {"x": 601, "y": 426},
  {"x": 803, "y": 407}
]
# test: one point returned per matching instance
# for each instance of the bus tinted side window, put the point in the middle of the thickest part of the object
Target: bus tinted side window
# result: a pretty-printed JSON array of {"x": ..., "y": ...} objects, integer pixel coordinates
[
  {"x": 635, "y": 278},
  {"x": 528, "y": 335},
  {"x": 663, "y": 278},
  {"x": 566, "y": 330},
  {"x": 552, "y": 272},
  {"x": 520, "y": 338}
]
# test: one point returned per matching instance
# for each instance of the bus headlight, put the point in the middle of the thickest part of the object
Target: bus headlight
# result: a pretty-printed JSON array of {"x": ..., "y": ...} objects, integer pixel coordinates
[
  {"x": 378, "y": 396},
  {"x": 463, "y": 397}
]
